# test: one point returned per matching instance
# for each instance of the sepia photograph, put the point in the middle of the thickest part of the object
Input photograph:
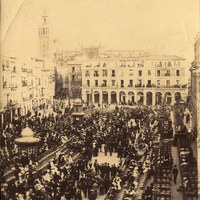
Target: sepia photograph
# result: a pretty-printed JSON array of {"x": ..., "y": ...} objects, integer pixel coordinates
[{"x": 100, "y": 99}]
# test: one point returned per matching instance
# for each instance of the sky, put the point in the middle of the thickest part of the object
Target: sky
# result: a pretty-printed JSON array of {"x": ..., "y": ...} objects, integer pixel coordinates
[{"x": 168, "y": 26}]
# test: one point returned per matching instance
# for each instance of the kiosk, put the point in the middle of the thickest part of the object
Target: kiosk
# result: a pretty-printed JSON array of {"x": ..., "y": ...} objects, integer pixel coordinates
[{"x": 78, "y": 113}]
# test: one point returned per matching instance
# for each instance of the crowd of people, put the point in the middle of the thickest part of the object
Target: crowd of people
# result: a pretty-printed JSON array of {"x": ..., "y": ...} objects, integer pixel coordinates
[
  {"x": 129, "y": 132},
  {"x": 108, "y": 133}
]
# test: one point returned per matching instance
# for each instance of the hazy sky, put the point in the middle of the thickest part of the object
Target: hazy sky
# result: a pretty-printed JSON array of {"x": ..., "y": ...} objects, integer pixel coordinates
[{"x": 169, "y": 26}]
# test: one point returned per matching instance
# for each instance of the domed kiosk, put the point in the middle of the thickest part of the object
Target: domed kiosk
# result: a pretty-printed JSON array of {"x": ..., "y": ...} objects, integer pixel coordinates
[
  {"x": 78, "y": 113},
  {"x": 27, "y": 142}
]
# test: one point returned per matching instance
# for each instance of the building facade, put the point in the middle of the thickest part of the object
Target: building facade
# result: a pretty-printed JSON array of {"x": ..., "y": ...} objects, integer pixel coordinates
[
  {"x": 25, "y": 85},
  {"x": 75, "y": 78},
  {"x": 142, "y": 80},
  {"x": 195, "y": 88},
  {"x": 194, "y": 104}
]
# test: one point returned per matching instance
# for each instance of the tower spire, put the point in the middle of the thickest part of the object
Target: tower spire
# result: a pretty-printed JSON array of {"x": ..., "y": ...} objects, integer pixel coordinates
[{"x": 43, "y": 34}]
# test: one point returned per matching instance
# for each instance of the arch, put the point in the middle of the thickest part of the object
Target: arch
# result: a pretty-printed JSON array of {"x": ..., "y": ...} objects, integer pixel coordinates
[
  {"x": 140, "y": 97},
  {"x": 131, "y": 97},
  {"x": 158, "y": 98},
  {"x": 96, "y": 97},
  {"x": 105, "y": 97},
  {"x": 177, "y": 97},
  {"x": 149, "y": 98},
  {"x": 122, "y": 97},
  {"x": 88, "y": 97},
  {"x": 113, "y": 97},
  {"x": 168, "y": 98}
]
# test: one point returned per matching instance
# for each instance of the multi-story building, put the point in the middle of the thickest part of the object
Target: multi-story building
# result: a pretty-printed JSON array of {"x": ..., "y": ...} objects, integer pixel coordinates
[
  {"x": 194, "y": 104},
  {"x": 25, "y": 85},
  {"x": 61, "y": 82},
  {"x": 143, "y": 80},
  {"x": 195, "y": 89},
  {"x": 75, "y": 78}
]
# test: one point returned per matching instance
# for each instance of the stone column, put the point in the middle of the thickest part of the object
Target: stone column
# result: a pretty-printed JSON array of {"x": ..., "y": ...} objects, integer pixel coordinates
[
  {"x": 144, "y": 98},
  {"x": 153, "y": 94}
]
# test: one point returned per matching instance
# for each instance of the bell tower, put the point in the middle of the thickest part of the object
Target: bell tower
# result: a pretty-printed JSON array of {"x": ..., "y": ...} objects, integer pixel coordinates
[{"x": 43, "y": 34}]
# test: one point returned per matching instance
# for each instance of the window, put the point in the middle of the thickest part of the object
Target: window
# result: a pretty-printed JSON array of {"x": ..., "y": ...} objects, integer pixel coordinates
[
  {"x": 113, "y": 82},
  {"x": 140, "y": 72},
  {"x": 177, "y": 72},
  {"x": 158, "y": 83},
  {"x": 160, "y": 64},
  {"x": 168, "y": 83},
  {"x": 167, "y": 73},
  {"x": 149, "y": 72},
  {"x": 73, "y": 77},
  {"x": 158, "y": 72},
  {"x": 96, "y": 83},
  {"x": 87, "y": 73},
  {"x": 73, "y": 69},
  {"x": 113, "y": 73},
  {"x": 3, "y": 67},
  {"x": 104, "y": 72},
  {"x": 122, "y": 83},
  {"x": 169, "y": 64},
  {"x": 130, "y": 83},
  {"x": 104, "y": 83},
  {"x": 96, "y": 73},
  {"x": 149, "y": 83},
  {"x": 88, "y": 83}
]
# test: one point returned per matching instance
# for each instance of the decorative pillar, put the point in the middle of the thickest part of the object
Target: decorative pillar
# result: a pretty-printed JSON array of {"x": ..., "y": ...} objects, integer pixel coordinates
[
  {"x": 119, "y": 98},
  {"x": 152, "y": 100},
  {"x": 144, "y": 98},
  {"x": 135, "y": 98},
  {"x": 173, "y": 99}
]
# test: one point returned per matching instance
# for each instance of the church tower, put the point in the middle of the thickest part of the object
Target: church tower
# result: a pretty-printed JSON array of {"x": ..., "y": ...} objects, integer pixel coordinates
[{"x": 43, "y": 34}]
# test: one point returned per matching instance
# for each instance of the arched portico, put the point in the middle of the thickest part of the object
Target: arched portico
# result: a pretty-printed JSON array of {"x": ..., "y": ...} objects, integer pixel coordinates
[
  {"x": 140, "y": 97},
  {"x": 113, "y": 97},
  {"x": 149, "y": 98},
  {"x": 122, "y": 97},
  {"x": 158, "y": 98},
  {"x": 177, "y": 97},
  {"x": 168, "y": 98},
  {"x": 105, "y": 97},
  {"x": 131, "y": 97},
  {"x": 96, "y": 97}
]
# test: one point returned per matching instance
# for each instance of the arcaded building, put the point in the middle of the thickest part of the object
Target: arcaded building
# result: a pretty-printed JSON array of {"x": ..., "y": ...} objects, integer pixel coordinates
[{"x": 144, "y": 80}]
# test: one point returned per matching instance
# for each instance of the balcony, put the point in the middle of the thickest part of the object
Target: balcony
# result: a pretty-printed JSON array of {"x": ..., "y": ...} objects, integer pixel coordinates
[
  {"x": 150, "y": 85},
  {"x": 139, "y": 85}
]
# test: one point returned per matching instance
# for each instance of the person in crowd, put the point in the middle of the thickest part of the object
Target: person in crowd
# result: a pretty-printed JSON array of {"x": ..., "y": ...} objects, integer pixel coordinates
[{"x": 175, "y": 173}]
